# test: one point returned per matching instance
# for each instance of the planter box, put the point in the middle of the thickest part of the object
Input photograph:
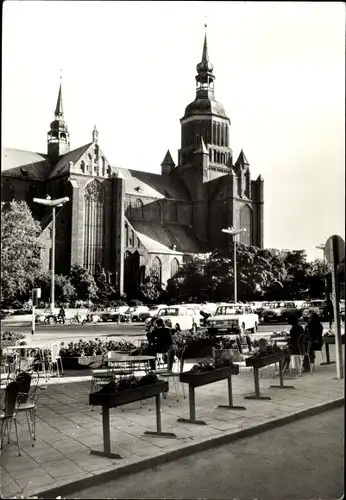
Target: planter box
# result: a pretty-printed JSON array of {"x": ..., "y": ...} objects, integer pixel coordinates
[
  {"x": 266, "y": 360},
  {"x": 207, "y": 377},
  {"x": 125, "y": 397},
  {"x": 8, "y": 343},
  {"x": 72, "y": 363}
]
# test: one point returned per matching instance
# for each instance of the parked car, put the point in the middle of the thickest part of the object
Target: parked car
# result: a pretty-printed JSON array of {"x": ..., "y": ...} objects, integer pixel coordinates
[
  {"x": 181, "y": 317},
  {"x": 113, "y": 314},
  {"x": 134, "y": 313},
  {"x": 152, "y": 311},
  {"x": 315, "y": 306},
  {"x": 280, "y": 311},
  {"x": 233, "y": 318}
]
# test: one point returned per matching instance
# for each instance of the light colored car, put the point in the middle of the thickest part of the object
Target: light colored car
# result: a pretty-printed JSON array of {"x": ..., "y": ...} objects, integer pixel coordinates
[
  {"x": 232, "y": 318},
  {"x": 152, "y": 311},
  {"x": 315, "y": 306},
  {"x": 134, "y": 313},
  {"x": 113, "y": 314},
  {"x": 181, "y": 317}
]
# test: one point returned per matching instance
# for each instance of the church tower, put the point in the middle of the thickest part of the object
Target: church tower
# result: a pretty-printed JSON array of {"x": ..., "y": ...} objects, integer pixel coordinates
[
  {"x": 58, "y": 137},
  {"x": 206, "y": 119}
]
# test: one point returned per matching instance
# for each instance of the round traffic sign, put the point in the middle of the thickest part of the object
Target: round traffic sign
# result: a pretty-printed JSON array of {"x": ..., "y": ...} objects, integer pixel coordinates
[{"x": 337, "y": 243}]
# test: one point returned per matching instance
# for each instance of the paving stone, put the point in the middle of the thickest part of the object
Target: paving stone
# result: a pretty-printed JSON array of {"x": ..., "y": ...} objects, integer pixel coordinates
[{"x": 63, "y": 467}]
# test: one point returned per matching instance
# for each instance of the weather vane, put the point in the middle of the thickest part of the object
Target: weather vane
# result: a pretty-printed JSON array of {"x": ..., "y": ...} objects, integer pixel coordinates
[
  {"x": 60, "y": 74},
  {"x": 206, "y": 21}
]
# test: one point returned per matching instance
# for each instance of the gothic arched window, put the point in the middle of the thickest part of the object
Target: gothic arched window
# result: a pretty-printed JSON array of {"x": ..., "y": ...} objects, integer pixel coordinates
[
  {"x": 222, "y": 129},
  {"x": 82, "y": 166},
  {"x": 174, "y": 267},
  {"x": 214, "y": 133},
  {"x": 94, "y": 225},
  {"x": 103, "y": 166},
  {"x": 247, "y": 184},
  {"x": 239, "y": 181},
  {"x": 174, "y": 212},
  {"x": 156, "y": 211},
  {"x": 156, "y": 268},
  {"x": 139, "y": 209},
  {"x": 126, "y": 234},
  {"x": 131, "y": 238},
  {"x": 245, "y": 222}
]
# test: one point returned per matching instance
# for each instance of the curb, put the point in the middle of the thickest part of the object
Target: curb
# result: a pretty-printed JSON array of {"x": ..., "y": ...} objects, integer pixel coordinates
[{"x": 149, "y": 463}]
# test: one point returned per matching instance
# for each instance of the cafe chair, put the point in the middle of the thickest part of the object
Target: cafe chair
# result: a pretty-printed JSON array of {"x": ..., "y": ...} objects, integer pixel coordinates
[
  {"x": 28, "y": 404},
  {"x": 9, "y": 414}
]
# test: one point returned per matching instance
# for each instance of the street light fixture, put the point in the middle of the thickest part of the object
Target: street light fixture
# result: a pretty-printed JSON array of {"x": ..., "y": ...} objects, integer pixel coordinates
[
  {"x": 48, "y": 202},
  {"x": 321, "y": 247},
  {"x": 234, "y": 232}
]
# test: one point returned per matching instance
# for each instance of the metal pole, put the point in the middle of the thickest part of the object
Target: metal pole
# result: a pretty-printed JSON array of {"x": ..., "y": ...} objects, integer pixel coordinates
[
  {"x": 338, "y": 342},
  {"x": 33, "y": 321},
  {"x": 235, "y": 270},
  {"x": 52, "y": 283}
]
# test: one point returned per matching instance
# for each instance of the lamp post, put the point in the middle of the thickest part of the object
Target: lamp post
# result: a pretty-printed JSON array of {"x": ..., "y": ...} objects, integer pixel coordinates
[
  {"x": 321, "y": 247},
  {"x": 234, "y": 232},
  {"x": 48, "y": 202}
]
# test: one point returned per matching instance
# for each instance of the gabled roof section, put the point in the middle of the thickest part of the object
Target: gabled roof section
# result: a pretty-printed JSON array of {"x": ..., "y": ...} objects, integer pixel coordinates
[
  {"x": 168, "y": 160},
  {"x": 242, "y": 160},
  {"x": 63, "y": 164},
  {"x": 167, "y": 238},
  {"x": 153, "y": 185},
  {"x": 24, "y": 164}
]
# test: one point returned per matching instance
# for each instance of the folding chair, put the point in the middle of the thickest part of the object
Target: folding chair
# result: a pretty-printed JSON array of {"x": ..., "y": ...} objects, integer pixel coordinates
[
  {"x": 9, "y": 414},
  {"x": 28, "y": 404}
]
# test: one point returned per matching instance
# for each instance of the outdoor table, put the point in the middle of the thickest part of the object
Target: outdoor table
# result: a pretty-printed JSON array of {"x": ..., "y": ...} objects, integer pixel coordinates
[
  {"x": 125, "y": 397},
  {"x": 197, "y": 379},
  {"x": 327, "y": 341},
  {"x": 258, "y": 363}
]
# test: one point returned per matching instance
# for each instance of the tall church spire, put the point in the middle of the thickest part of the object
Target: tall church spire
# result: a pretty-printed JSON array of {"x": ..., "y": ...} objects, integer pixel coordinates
[
  {"x": 205, "y": 78},
  {"x": 59, "y": 113},
  {"x": 58, "y": 138}
]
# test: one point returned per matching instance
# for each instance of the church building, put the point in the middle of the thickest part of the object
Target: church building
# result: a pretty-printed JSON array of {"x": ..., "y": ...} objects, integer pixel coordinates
[{"x": 134, "y": 223}]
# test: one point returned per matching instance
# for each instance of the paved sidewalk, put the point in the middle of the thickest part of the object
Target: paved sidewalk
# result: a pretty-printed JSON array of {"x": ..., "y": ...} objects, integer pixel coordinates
[{"x": 67, "y": 428}]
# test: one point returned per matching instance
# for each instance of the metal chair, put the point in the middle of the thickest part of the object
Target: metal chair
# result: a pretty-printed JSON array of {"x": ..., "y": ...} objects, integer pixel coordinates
[
  {"x": 9, "y": 413},
  {"x": 28, "y": 404}
]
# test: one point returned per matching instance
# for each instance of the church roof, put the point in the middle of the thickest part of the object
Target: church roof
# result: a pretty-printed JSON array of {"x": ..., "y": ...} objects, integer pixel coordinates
[
  {"x": 63, "y": 164},
  {"x": 160, "y": 237},
  {"x": 24, "y": 164},
  {"x": 153, "y": 185},
  {"x": 205, "y": 106},
  {"x": 242, "y": 160}
]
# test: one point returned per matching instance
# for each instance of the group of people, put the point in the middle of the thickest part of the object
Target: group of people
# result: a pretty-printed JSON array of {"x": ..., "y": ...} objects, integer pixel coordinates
[
  {"x": 300, "y": 338},
  {"x": 160, "y": 341}
]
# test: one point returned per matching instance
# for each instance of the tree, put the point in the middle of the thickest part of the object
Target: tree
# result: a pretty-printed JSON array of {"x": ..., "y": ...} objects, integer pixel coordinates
[
  {"x": 64, "y": 290},
  {"x": 150, "y": 290},
  {"x": 316, "y": 278},
  {"x": 83, "y": 282},
  {"x": 105, "y": 290},
  {"x": 20, "y": 250},
  {"x": 190, "y": 283}
]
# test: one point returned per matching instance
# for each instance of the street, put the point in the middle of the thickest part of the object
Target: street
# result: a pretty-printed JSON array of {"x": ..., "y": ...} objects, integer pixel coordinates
[
  {"x": 89, "y": 331},
  {"x": 304, "y": 460}
]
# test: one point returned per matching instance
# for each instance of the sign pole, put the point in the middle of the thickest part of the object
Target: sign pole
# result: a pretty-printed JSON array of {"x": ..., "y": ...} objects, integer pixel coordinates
[
  {"x": 33, "y": 321},
  {"x": 336, "y": 305}
]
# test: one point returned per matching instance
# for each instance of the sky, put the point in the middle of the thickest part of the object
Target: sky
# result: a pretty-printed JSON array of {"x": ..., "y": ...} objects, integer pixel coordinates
[{"x": 129, "y": 68}]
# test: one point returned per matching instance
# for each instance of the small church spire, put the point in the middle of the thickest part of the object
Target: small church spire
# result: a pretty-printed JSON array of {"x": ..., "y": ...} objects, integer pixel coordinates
[
  {"x": 59, "y": 112},
  {"x": 205, "y": 57},
  {"x": 167, "y": 164},
  {"x": 95, "y": 135}
]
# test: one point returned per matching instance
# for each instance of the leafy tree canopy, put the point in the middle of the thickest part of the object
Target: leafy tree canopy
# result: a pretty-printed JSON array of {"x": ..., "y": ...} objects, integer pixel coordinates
[{"x": 20, "y": 250}]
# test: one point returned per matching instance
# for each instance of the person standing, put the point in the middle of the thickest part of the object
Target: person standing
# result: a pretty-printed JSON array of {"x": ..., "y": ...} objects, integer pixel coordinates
[
  {"x": 314, "y": 330},
  {"x": 62, "y": 314},
  {"x": 330, "y": 311},
  {"x": 293, "y": 344}
]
